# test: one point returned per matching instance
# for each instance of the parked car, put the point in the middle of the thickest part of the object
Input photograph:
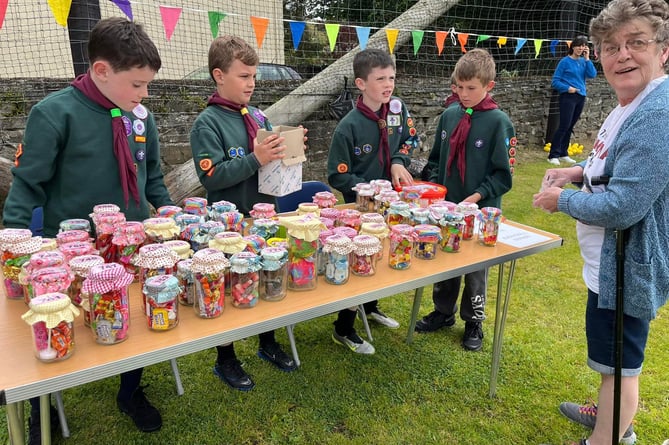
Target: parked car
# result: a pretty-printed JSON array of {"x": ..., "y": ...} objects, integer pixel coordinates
[{"x": 266, "y": 71}]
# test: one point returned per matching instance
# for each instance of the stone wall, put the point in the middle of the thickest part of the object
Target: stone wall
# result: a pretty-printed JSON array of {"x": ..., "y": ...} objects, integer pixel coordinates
[{"x": 526, "y": 100}]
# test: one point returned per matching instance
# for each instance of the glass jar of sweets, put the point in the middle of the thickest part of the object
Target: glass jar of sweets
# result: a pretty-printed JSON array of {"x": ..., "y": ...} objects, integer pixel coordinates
[
  {"x": 399, "y": 212},
  {"x": 427, "y": 241},
  {"x": 159, "y": 230},
  {"x": 337, "y": 249},
  {"x": 51, "y": 318},
  {"x": 303, "y": 234},
  {"x": 107, "y": 288},
  {"x": 245, "y": 279},
  {"x": 366, "y": 249},
  {"x": 274, "y": 274},
  {"x": 209, "y": 268},
  {"x": 161, "y": 294},
  {"x": 402, "y": 238}
]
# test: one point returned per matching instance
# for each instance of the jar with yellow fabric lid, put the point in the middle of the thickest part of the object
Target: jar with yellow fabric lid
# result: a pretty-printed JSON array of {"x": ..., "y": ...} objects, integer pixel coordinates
[
  {"x": 302, "y": 232},
  {"x": 51, "y": 318},
  {"x": 159, "y": 230}
]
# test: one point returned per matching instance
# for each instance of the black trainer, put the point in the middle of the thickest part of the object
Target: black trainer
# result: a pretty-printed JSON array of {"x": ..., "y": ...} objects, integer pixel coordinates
[
  {"x": 146, "y": 416},
  {"x": 434, "y": 321},
  {"x": 35, "y": 425},
  {"x": 472, "y": 340},
  {"x": 275, "y": 355},
  {"x": 231, "y": 372}
]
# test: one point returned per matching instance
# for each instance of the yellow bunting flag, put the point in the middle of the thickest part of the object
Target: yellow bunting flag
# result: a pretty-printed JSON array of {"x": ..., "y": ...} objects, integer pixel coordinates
[
  {"x": 260, "y": 25},
  {"x": 501, "y": 41},
  {"x": 440, "y": 36},
  {"x": 537, "y": 47},
  {"x": 332, "y": 30},
  {"x": 391, "y": 35},
  {"x": 60, "y": 10}
]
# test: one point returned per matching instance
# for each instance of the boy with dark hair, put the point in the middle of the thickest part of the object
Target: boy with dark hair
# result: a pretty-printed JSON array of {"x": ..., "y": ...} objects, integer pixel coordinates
[
  {"x": 470, "y": 156},
  {"x": 227, "y": 157},
  {"x": 91, "y": 143},
  {"x": 373, "y": 141}
]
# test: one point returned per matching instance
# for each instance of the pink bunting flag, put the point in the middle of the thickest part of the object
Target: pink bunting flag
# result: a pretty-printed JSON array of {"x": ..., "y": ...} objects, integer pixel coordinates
[
  {"x": 260, "y": 25},
  {"x": 170, "y": 16},
  {"x": 3, "y": 9}
]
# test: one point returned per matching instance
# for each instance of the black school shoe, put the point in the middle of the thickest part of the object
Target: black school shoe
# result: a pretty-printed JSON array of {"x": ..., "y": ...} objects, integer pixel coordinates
[
  {"x": 434, "y": 321},
  {"x": 472, "y": 340},
  {"x": 34, "y": 426},
  {"x": 231, "y": 372},
  {"x": 146, "y": 416},
  {"x": 275, "y": 355}
]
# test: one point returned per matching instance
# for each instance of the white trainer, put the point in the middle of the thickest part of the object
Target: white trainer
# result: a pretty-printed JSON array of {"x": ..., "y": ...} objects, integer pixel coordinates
[
  {"x": 554, "y": 161},
  {"x": 567, "y": 159},
  {"x": 354, "y": 343},
  {"x": 383, "y": 319}
]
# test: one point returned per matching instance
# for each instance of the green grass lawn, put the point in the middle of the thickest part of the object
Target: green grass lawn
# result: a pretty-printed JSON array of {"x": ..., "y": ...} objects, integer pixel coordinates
[{"x": 430, "y": 392}]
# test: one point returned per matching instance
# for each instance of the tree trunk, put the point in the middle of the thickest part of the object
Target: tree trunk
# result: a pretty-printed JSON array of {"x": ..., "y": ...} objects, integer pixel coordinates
[{"x": 294, "y": 108}]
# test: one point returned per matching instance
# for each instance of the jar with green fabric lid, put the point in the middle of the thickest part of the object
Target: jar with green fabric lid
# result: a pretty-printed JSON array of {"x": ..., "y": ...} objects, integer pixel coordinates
[
  {"x": 245, "y": 279},
  {"x": 274, "y": 274},
  {"x": 162, "y": 308},
  {"x": 51, "y": 318}
]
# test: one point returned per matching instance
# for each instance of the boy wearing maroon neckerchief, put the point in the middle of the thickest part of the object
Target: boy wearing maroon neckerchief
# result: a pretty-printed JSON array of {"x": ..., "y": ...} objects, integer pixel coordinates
[
  {"x": 91, "y": 143},
  {"x": 472, "y": 155},
  {"x": 227, "y": 156},
  {"x": 373, "y": 141}
]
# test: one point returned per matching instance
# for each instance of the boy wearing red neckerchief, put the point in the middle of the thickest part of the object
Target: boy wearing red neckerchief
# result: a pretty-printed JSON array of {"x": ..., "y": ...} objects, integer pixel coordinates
[
  {"x": 227, "y": 156},
  {"x": 472, "y": 156},
  {"x": 373, "y": 141}
]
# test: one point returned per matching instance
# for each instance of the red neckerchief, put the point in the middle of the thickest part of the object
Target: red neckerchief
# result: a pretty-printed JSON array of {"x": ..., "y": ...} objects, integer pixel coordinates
[
  {"x": 458, "y": 139},
  {"x": 250, "y": 123},
  {"x": 450, "y": 99},
  {"x": 380, "y": 119},
  {"x": 126, "y": 165}
]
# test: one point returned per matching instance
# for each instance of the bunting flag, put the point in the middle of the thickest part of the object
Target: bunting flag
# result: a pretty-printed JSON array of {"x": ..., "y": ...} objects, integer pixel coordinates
[
  {"x": 124, "y": 6},
  {"x": 519, "y": 45},
  {"x": 332, "y": 30},
  {"x": 215, "y": 18},
  {"x": 501, "y": 41},
  {"x": 440, "y": 37},
  {"x": 462, "y": 38},
  {"x": 569, "y": 43},
  {"x": 363, "y": 36},
  {"x": 296, "y": 31},
  {"x": 3, "y": 9},
  {"x": 417, "y": 37},
  {"x": 170, "y": 16},
  {"x": 482, "y": 38},
  {"x": 260, "y": 25},
  {"x": 391, "y": 36},
  {"x": 553, "y": 47},
  {"x": 60, "y": 10},
  {"x": 537, "y": 47}
]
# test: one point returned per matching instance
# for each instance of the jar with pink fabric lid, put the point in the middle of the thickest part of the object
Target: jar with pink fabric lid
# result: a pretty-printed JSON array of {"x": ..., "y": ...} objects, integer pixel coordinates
[
  {"x": 51, "y": 279},
  {"x": 263, "y": 210},
  {"x": 107, "y": 288},
  {"x": 51, "y": 318},
  {"x": 81, "y": 266},
  {"x": 402, "y": 238},
  {"x": 128, "y": 237},
  {"x": 74, "y": 235},
  {"x": 325, "y": 200},
  {"x": 77, "y": 248},
  {"x": 38, "y": 260},
  {"x": 105, "y": 225}
]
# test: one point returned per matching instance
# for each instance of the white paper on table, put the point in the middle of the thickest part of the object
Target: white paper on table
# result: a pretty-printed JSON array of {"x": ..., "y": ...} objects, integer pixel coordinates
[{"x": 517, "y": 237}]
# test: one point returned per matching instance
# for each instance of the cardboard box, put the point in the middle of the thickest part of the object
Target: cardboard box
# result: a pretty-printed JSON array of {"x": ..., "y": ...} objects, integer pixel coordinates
[{"x": 282, "y": 177}]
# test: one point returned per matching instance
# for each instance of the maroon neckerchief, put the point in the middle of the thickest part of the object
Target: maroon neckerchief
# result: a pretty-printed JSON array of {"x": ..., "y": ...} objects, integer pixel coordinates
[
  {"x": 126, "y": 165},
  {"x": 380, "y": 119},
  {"x": 450, "y": 99},
  {"x": 458, "y": 139},
  {"x": 250, "y": 123}
]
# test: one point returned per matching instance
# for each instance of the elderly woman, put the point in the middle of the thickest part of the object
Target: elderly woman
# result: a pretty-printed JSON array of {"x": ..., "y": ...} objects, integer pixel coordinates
[{"x": 624, "y": 185}]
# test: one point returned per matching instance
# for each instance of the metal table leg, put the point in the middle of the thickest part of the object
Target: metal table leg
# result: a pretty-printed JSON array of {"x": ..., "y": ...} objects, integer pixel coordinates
[
  {"x": 15, "y": 425},
  {"x": 501, "y": 309},
  {"x": 45, "y": 418},
  {"x": 365, "y": 323},
  {"x": 293, "y": 346},
  {"x": 177, "y": 377},
  {"x": 418, "y": 296}
]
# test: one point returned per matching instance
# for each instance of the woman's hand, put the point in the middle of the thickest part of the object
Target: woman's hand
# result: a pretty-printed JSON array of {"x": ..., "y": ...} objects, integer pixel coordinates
[
  {"x": 270, "y": 149},
  {"x": 547, "y": 199},
  {"x": 559, "y": 177}
]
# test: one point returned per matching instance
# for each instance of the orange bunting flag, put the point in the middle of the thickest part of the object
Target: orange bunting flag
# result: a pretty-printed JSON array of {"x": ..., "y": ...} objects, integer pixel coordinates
[
  {"x": 501, "y": 41},
  {"x": 60, "y": 10},
  {"x": 537, "y": 47},
  {"x": 462, "y": 38},
  {"x": 170, "y": 16},
  {"x": 440, "y": 36},
  {"x": 332, "y": 30},
  {"x": 260, "y": 25},
  {"x": 391, "y": 35}
]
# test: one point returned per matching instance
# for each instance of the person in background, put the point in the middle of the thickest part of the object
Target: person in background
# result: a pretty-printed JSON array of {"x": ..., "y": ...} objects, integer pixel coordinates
[
  {"x": 227, "y": 156},
  {"x": 624, "y": 187},
  {"x": 569, "y": 81},
  {"x": 373, "y": 141},
  {"x": 94, "y": 142},
  {"x": 470, "y": 156}
]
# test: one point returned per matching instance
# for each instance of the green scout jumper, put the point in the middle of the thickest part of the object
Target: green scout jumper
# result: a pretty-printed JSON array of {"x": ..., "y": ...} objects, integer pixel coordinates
[
  {"x": 489, "y": 153},
  {"x": 68, "y": 165},
  {"x": 225, "y": 166},
  {"x": 354, "y": 150}
]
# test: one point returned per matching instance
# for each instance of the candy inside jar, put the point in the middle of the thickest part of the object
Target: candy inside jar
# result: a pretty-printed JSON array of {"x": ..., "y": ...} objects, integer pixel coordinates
[
  {"x": 303, "y": 234},
  {"x": 245, "y": 279},
  {"x": 51, "y": 318},
  {"x": 402, "y": 237},
  {"x": 489, "y": 218},
  {"x": 274, "y": 274},
  {"x": 365, "y": 255},
  {"x": 209, "y": 269},
  {"x": 399, "y": 212},
  {"x": 470, "y": 211},
  {"x": 107, "y": 288},
  {"x": 186, "y": 282},
  {"x": 427, "y": 241},
  {"x": 452, "y": 226},
  {"x": 337, "y": 249},
  {"x": 162, "y": 309},
  {"x": 364, "y": 197}
]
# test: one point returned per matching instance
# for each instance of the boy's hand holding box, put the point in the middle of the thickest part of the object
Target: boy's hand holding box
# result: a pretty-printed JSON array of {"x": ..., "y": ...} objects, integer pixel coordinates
[{"x": 284, "y": 176}]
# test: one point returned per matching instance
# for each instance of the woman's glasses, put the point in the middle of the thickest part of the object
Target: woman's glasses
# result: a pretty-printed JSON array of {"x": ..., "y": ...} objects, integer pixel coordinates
[{"x": 633, "y": 46}]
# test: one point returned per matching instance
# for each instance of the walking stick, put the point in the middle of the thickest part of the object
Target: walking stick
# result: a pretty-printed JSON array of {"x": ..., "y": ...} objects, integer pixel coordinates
[{"x": 621, "y": 236}]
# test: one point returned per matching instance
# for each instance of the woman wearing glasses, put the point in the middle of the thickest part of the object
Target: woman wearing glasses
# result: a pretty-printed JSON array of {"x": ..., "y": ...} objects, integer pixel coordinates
[
  {"x": 631, "y": 160},
  {"x": 569, "y": 81}
]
